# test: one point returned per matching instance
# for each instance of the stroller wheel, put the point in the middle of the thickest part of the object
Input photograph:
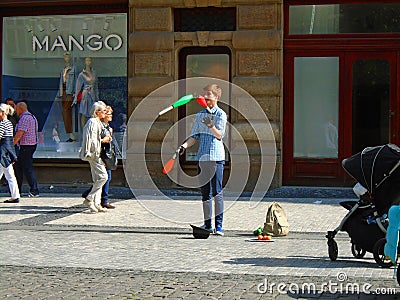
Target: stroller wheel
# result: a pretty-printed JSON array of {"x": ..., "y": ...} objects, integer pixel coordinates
[
  {"x": 379, "y": 254},
  {"x": 357, "y": 251},
  {"x": 332, "y": 249}
]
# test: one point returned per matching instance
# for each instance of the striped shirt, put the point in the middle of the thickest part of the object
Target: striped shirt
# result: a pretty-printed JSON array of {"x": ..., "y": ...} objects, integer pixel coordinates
[
  {"x": 210, "y": 148},
  {"x": 6, "y": 128},
  {"x": 29, "y": 125}
]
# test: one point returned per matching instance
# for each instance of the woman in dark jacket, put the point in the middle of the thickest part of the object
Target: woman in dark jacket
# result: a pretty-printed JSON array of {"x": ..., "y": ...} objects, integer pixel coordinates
[{"x": 7, "y": 152}]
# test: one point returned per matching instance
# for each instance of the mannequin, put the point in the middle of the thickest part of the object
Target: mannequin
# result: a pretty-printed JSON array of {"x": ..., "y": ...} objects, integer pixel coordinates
[
  {"x": 87, "y": 83},
  {"x": 66, "y": 93}
]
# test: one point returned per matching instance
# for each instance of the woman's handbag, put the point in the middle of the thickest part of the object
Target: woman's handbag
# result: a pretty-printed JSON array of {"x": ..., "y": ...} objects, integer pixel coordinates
[{"x": 109, "y": 156}]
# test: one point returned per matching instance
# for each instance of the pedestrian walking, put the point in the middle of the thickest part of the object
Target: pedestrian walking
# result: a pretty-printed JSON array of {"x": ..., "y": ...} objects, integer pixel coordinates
[
  {"x": 90, "y": 152},
  {"x": 209, "y": 129},
  {"x": 108, "y": 154},
  {"x": 7, "y": 152},
  {"x": 26, "y": 137},
  {"x": 13, "y": 118}
]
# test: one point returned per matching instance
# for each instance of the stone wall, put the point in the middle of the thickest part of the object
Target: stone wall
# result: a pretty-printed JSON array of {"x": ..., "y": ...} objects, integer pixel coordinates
[{"x": 257, "y": 54}]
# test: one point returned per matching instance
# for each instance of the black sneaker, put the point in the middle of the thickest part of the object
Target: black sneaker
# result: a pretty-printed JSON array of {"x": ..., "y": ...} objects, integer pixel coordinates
[{"x": 31, "y": 195}]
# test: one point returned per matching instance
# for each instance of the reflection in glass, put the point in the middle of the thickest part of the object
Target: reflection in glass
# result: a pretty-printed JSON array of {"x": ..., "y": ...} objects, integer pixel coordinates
[
  {"x": 204, "y": 65},
  {"x": 344, "y": 18},
  {"x": 371, "y": 103},
  {"x": 34, "y": 60},
  {"x": 316, "y": 94}
]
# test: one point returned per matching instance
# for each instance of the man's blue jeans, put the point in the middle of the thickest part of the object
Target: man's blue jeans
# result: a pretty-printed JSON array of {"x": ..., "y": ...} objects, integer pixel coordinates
[{"x": 211, "y": 174}]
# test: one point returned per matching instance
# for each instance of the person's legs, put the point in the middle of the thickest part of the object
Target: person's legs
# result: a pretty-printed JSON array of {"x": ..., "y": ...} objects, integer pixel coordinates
[
  {"x": 25, "y": 158},
  {"x": 67, "y": 112},
  {"x": 12, "y": 181},
  {"x": 2, "y": 171},
  {"x": 99, "y": 176},
  {"x": 218, "y": 195},
  {"x": 30, "y": 175},
  {"x": 19, "y": 174},
  {"x": 204, "y": 170},
  {"x": 83, "y": 120},
  {"x": 104, "y": 192}
]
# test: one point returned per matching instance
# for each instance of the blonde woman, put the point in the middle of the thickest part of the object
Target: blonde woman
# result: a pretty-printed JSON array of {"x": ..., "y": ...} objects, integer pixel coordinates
[
  {"x": 113, "y": 147},
  {"x": 7, "y": 152},
  {"x": 90, "y": 152}
]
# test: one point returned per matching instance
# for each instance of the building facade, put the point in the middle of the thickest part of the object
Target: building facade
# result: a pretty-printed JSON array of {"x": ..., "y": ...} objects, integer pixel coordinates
[{"x": 326, "y": 74}]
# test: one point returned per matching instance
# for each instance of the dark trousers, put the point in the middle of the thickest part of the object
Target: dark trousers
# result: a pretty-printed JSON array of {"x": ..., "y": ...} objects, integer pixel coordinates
[
  {"x": 67, "y": 111},
  {"x": 24, "y": 166}
]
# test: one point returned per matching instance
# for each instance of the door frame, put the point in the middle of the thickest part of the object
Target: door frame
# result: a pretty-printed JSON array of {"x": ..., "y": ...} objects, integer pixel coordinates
[{"x": 182, "y": 63}]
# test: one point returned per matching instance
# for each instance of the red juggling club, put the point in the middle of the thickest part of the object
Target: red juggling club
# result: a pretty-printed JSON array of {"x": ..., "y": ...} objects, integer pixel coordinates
[{"x": 202, "y": 101}]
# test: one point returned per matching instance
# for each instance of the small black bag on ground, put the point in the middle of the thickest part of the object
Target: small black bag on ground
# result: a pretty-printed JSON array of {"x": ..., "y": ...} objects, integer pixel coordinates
[{"x": 276, "y": 223}]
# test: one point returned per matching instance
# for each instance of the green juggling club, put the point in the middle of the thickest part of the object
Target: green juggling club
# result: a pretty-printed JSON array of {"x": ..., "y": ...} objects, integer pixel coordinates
[{"x": 181, "y": 101}]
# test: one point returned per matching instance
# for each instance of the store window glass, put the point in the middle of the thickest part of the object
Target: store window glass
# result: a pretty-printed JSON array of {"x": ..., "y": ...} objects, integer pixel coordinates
[
  {"x": 316, "y": 107},
  {"x": 344, "y": 18},
  {"x": 59, "y": 65}
]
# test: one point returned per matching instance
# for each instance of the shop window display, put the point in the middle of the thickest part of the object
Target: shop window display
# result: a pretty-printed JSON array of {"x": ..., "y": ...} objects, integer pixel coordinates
[{"x": 61, "y": 64}]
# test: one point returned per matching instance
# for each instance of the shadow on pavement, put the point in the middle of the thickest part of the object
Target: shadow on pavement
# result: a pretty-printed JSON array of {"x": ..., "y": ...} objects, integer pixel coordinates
[
  {"x": 31, "y": 210},
  {"x": 300, "y": 262}
]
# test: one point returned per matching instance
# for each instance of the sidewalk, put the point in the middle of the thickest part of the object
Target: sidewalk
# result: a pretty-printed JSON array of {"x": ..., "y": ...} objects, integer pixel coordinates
[
  {"x": 144, "y": 249},
  {"x": 305, "y": 214}
]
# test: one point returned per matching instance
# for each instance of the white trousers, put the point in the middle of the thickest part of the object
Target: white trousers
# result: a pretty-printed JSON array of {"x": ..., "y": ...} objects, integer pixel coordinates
[
  {"x": 99, "y": 176},
  {"x": 12, "y": 181}
]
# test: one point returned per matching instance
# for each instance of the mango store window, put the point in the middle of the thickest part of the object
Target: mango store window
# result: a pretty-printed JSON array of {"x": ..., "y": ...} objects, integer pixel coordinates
[{"x": 59, "y": 65}]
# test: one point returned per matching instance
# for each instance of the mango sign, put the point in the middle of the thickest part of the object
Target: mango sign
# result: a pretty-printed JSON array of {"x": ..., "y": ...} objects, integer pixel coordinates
[{"x": 94, "y": 42}]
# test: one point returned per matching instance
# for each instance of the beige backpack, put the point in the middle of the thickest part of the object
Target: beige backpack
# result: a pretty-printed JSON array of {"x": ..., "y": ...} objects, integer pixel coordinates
[{"x": 276, "y": 223}]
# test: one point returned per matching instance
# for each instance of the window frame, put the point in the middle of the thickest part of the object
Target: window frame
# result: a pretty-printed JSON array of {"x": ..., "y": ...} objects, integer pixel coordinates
[
  {"x": 289, "y": 3},
  {"x": 183, "y": 54}
]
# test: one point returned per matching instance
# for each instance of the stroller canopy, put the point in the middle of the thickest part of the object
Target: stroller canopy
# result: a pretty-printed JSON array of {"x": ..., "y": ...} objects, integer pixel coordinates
[{"x": 378, "y": 170}]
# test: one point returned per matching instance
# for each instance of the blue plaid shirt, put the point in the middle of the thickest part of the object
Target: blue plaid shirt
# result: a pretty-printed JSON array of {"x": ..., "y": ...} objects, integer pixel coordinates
[{"x": 210, "y": 148}]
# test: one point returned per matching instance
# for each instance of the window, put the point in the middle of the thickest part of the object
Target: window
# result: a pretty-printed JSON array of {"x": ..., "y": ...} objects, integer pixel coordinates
[
  {"x": 205, "y": 19},
  {"x": 344, "y": 18},
  {"x": 316, "y": 106},
  {"x": 35, "y": 51}
]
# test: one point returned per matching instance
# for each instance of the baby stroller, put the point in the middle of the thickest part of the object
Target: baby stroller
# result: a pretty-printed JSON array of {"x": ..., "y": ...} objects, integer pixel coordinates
[{"x": 377, "y": 170}]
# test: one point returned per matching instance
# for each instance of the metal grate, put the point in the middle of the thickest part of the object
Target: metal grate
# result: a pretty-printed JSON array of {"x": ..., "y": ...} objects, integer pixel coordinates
[{"x": 205, "y": 19}]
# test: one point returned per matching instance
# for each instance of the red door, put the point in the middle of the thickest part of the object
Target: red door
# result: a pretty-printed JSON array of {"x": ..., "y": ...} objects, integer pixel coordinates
[{"x": 335, "y": 104}]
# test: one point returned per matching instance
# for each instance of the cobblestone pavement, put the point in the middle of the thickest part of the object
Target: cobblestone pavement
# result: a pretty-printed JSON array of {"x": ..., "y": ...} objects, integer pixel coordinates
[
  {"x": 80, "y": 283},
  {"x": 53, "y": 249}
]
